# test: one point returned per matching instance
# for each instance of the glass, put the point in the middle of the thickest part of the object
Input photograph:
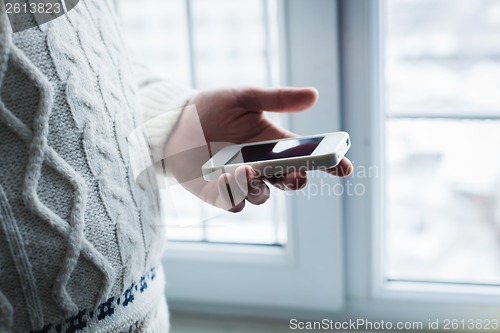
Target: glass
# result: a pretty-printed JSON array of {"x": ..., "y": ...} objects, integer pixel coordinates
[
  {"x": 229, "y": 42},
  {"x": 205, "y": 44},
  {"x": 442, "y": 102},
  {"x": 442, "y": 57},
  {"x": 157, "y": 36}
]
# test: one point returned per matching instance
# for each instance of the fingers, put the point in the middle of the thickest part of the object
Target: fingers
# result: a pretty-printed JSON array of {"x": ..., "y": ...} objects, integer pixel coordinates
[
  {"x": 230, "y": 196},
  {"x": 343, "y": 169},
  {"x": 244, "y": 184},
  {"x": 257, "y": 191},
  {"x": 277, "y": 100},
  {"x": 296, "y": 180}
]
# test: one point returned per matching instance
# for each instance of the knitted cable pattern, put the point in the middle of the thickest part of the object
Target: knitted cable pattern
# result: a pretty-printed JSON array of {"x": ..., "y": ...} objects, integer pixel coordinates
[
  {"x": 76, "y": 228},
  {"x": 23, "y": 265},
  {"x": 39, "y": 152},
  {"x": 121, "y": 94},
  {"x": 108, "y": 165},
  {"x": 5, "y": 40}
]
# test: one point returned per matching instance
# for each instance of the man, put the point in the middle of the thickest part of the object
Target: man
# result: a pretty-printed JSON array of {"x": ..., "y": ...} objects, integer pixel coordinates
[{"x": 80, "y": 246}]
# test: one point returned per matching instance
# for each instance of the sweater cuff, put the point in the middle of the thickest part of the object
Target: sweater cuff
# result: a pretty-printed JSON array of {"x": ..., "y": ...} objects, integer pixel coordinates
[{"x": 161, "y": 102}]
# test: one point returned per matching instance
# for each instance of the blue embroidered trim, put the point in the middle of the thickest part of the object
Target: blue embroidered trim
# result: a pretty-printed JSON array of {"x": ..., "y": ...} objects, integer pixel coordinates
[{"x": 104, "y": 310}]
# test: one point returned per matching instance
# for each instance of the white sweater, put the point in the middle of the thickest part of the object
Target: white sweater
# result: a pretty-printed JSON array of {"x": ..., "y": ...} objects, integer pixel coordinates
[{"x": 80, "y": 239}]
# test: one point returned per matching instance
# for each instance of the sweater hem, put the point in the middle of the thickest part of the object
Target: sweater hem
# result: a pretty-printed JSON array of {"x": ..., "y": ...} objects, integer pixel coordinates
[{"x": 118, "y": 313}]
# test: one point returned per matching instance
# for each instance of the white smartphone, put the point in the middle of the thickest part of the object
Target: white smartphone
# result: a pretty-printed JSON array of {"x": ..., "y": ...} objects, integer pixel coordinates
[{"x": 278, "y": 157}]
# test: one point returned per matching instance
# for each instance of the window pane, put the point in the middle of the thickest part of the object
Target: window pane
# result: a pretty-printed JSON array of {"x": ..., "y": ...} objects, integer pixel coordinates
[
  {"x": 444, "y": 200},
  {"x": 229, "y": 41},
  {"x": 442, "y": 81},
  {"x": 210, "y": 43},
  {"x": 157, "y": 34},
  {"x": 442, "y": 57}
]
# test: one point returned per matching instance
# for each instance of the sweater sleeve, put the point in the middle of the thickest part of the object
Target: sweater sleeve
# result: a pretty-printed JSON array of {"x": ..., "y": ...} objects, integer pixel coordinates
[{"x": 161, "y": 102}]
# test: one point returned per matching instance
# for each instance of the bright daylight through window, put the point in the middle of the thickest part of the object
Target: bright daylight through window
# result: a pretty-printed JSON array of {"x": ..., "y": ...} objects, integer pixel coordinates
[
  {"x": 442, "y": 106},
  {"x": 205, "y": 44}
]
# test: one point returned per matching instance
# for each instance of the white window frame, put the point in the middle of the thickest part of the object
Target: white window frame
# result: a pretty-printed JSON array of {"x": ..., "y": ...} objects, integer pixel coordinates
[
  {"x": 334, "y": 45},
  {"x": 298, "y": 275},
  {"x": 369, "y": 294}
]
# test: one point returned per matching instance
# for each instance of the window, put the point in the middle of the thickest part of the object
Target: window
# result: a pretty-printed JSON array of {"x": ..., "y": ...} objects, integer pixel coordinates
[
  {"x": 442, "y": 106},
  {"x": 205, "y": 44},
  {"x": 403, "y": 83},
  {"x": 264, "y": 257},
  {"x": 414, "y": 232}
]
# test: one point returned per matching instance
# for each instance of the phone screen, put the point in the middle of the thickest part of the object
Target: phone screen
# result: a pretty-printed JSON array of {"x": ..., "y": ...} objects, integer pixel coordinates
[{"x": 278, "y": 150}]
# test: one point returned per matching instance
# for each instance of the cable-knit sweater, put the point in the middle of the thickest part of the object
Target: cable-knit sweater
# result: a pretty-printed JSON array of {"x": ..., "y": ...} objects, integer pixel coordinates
[{"x": 80, "y": 239}]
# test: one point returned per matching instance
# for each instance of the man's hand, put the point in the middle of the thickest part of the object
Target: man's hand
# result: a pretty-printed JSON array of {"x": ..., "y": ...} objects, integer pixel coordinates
[{"x": 236, "y": 116}]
